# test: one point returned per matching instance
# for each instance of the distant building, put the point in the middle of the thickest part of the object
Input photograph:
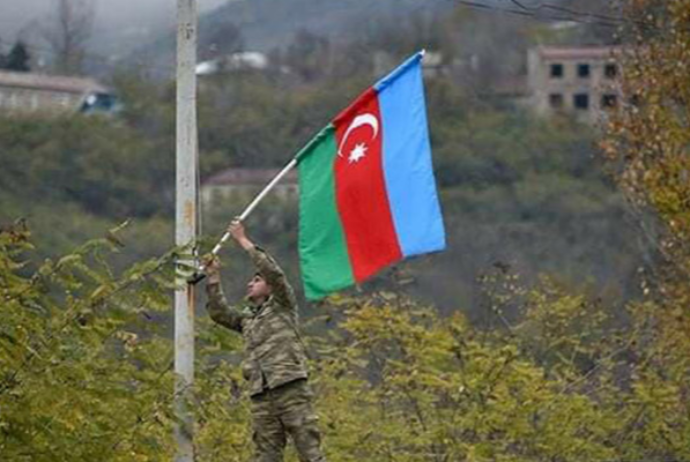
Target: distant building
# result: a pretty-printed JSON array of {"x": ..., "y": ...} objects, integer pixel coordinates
[
  {"x": 433, "y": 64},
  {"x": 578, "y": 80},
  {"x": 24, "y": 93},
  {"x": 242, "y": 61},
  {"x": 242, "y": 184}
]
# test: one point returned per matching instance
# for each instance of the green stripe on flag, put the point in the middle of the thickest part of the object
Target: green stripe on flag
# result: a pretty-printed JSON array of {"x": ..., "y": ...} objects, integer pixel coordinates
[{"x": 323, "y": 251}]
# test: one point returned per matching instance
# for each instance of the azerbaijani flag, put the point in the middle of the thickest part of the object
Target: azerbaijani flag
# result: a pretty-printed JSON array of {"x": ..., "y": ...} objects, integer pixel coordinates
[{"x": 367, "y": 191}]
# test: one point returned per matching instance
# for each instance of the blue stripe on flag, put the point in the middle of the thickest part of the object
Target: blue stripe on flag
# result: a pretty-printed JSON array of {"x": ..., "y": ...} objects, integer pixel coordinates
[{"x": 407, "y": 160}]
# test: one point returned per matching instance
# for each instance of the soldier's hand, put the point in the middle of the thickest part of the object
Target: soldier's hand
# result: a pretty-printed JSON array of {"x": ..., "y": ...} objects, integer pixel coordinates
[
  {"x": 236, "y": 230},
  {"x": 238, "y": 233},
  {"x": 212, "y": 265}
]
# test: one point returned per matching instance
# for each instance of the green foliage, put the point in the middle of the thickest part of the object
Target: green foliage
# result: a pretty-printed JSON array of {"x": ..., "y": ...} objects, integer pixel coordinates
[
  {"x": 84, "y": 371},
  {"x": 647, "y": 149},
  {"x": 252, "y": 120},
  {"x": 104, "y": 167},
  {"x": 73, "y": 178},
  {"x": 560, "y": 384},
  {"x": 647, "y": 139}
]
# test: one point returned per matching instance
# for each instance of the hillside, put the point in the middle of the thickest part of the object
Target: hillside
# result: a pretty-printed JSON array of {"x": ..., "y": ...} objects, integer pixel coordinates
[
  {"x": 517, "y": 192},
  {"x": 269, "y": 24}
]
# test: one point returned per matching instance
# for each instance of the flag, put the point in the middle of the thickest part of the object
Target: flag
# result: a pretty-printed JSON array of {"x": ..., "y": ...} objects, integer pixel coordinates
[{"x": 367, "y": 191}]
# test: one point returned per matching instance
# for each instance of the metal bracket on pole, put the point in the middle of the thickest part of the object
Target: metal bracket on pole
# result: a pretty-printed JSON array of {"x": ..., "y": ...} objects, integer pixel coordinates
[{"x": 199, "y": 275}]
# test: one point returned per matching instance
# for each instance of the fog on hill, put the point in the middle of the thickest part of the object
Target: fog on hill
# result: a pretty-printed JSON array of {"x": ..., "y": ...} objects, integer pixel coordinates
[{"x": 119, "y": 20}]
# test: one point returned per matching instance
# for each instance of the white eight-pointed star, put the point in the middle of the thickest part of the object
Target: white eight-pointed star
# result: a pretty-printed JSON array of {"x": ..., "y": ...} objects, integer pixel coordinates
[{"x": 358, "y": 152}]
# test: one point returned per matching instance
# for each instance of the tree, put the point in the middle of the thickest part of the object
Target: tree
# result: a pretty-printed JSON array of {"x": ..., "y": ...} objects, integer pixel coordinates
[
  {"x": 647, "y": 146},
  {"x": 75, "y": 160},
  {"x": 648, "y": 138},
  {"x": 83, "y": 373},
  {"x": 309, "y": 55},
  {"x": 18, "y": 58},
  {"x": 224, "y": 39},
  {"x": 68, "y": 32}
]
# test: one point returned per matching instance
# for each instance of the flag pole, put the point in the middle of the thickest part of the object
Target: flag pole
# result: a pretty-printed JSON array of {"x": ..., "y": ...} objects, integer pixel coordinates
[
  {"x": 199, "y": 273},
  {"x": 186, "y": 226}
]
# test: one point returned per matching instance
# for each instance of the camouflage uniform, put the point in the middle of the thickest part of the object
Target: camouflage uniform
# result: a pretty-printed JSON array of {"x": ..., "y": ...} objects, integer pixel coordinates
[{"x": 274, "y": 364}]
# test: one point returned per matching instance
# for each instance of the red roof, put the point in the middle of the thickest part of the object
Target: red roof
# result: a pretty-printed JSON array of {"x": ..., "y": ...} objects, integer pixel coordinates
[
  {"x": 601, "y": 52},
  {"x": 64, "y": 84},
  {"x": 249, "y": 177}
]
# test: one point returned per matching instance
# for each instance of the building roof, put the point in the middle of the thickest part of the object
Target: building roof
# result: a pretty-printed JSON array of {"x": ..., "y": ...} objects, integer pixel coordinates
[
  {"x": 51, "y": 82},
  {"x": 249, "y": 177},
  {"x": 598, "y": 52}
]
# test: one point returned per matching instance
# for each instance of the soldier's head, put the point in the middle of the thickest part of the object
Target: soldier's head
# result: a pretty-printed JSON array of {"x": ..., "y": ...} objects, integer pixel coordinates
[{"x": 258, "y": 289}]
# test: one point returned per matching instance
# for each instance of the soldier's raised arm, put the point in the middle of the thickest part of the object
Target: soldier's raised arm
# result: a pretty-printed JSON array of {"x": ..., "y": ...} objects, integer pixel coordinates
[
  {"x": 217, "y": 306},
  {"x": 267, "y": 267}
]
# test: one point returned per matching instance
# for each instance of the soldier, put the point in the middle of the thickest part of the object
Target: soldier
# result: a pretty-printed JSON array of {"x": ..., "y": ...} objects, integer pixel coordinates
[{"x": 275, "y": 357}]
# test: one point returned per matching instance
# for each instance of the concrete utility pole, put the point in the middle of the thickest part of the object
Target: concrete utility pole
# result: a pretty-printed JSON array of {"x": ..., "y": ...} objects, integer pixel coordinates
[{"x": 185, "y": 223}]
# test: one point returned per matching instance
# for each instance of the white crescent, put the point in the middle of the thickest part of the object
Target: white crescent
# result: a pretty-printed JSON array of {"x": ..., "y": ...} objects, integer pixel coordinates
[{"x": 360, "y": 121}]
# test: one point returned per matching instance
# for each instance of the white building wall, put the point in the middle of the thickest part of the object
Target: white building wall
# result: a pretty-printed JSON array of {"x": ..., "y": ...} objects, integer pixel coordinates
[{"x": 551, "y": 93}]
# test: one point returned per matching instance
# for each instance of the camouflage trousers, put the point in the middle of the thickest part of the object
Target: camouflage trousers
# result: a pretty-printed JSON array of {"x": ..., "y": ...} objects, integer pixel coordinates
[{"x": 286, "y": 410}]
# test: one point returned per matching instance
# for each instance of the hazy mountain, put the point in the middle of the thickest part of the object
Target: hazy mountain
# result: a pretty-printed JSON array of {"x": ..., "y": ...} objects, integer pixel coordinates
[
  {"x": 119, "y": 25},
  {"x": 268, "y": 24}
]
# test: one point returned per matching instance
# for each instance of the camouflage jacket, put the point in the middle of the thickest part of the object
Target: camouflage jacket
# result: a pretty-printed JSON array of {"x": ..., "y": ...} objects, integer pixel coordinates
[{"x": 274, "y": 352}]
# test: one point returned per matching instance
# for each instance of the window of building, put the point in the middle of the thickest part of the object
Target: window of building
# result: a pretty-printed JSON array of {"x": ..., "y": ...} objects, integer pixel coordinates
[
  {"x": 609, "y": 101},
  {"x": 557, "y": 71},
  {"x": 583, "y": 71},
  {"x": 556, "y": 100},
  {"x": 581, "y": 101},
  {"x": 611, "y": 71}
]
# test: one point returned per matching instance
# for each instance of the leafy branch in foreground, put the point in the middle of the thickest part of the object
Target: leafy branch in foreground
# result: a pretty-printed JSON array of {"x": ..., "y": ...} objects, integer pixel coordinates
[
  {"x": 81, "y": 355},
  {"x": 85, "y": 363}
]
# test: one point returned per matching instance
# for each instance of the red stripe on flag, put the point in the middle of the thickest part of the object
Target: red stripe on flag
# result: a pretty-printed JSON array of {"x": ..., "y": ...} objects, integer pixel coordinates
[{"x": 361, "y": 189}]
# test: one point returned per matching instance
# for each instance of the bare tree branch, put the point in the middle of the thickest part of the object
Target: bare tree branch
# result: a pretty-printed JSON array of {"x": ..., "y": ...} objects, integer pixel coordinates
[{"x": 67, "y": 33}]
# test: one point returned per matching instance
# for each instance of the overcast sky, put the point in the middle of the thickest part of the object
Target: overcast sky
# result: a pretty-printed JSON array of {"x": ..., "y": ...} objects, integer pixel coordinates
[{"x": 110, "y": 14}]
